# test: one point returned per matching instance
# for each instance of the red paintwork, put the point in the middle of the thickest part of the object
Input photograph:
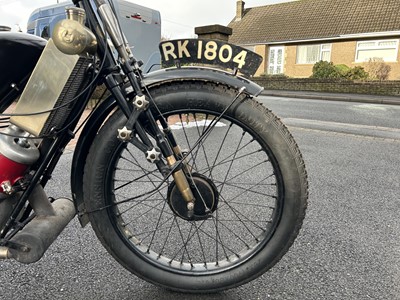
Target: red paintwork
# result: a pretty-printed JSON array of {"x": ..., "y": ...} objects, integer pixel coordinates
[{"x": 10, "y": 170}]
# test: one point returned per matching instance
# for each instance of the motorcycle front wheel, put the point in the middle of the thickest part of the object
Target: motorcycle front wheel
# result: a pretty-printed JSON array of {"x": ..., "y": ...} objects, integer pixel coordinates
[{"x": 248, "y": 176}]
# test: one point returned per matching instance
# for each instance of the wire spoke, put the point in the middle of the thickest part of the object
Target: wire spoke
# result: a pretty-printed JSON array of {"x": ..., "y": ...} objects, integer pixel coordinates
[
  {"x": 239, "y": 169},
  {"x": 237, "y": 213},
  {"x": 228, "y": 160}
]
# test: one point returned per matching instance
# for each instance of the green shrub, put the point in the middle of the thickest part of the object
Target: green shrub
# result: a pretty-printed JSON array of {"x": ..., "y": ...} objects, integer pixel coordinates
[
  {"x": 343, "y": 69},
  {"x": 327, "y": 70},
  {"x": 279, "y": 76},
  {"x": 357, "y": 73}
]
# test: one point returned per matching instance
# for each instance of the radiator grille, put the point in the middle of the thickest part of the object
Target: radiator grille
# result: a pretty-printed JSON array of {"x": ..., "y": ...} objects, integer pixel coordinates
[{"x": 73, "y": 87}]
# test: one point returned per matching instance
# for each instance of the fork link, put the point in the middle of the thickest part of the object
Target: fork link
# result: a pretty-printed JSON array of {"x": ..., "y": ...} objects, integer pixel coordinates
[{"x": 182, "y": 184}]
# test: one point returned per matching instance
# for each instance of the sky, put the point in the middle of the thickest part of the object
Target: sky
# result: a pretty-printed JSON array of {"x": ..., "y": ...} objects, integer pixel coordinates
[{"x": 179, "y": 17}]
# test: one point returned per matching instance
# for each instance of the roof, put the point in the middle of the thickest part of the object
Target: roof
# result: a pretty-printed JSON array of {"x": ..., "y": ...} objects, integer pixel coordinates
[{"x": 315, "y": 19}]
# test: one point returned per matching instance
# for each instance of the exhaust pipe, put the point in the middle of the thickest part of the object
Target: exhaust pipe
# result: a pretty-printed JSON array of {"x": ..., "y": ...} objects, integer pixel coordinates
[
  {"x": 7, "y": 205},
  {"x": 41, "y": 232},
  {"x": 37, "y": 236}
]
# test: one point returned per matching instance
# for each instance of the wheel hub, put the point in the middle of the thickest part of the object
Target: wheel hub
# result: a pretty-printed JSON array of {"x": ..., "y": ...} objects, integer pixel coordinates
[{"x": 205, "y": 193}]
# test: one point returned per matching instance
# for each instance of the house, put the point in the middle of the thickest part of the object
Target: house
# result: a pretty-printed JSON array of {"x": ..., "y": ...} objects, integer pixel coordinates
[{"x": 292, "y": 36}]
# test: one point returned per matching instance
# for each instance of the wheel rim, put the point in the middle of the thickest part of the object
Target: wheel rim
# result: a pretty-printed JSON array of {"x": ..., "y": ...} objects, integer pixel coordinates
[{"x": 250, "y": 191}]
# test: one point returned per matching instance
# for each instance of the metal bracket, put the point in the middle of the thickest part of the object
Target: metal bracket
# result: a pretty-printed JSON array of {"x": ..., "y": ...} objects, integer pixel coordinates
[
  {"x": 140, "y": 104},
  {"x": 7, "y": 187}
]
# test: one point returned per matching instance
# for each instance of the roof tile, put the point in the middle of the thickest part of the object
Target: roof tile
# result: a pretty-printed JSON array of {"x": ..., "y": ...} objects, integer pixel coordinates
[{"x": 312, "y": 19}]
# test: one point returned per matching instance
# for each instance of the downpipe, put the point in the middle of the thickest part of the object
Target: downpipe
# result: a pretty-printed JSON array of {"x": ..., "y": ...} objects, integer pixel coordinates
[
  {"x": 37, "y": 236},
  {"x": 7, "y": 204}
]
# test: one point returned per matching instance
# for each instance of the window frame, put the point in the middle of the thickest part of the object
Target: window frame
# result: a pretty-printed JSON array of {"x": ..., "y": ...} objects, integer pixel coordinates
[
  {"x": 321, "y": 52},
  {"x": 376, "y": 47}
]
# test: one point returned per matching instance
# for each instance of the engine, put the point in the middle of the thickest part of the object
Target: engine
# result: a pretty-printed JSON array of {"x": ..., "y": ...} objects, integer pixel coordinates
[{"x": 17, "y": 154}]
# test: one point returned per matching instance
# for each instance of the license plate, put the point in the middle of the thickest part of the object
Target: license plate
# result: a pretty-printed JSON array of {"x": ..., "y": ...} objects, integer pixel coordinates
[{"x": 209, "y": 52}]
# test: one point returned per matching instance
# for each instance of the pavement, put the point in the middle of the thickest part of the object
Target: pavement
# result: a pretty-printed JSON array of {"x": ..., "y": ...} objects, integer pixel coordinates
[{"x": 375, "y": 99}]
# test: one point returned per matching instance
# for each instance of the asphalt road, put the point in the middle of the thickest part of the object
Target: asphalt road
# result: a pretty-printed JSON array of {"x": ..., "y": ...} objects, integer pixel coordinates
[{"x": 348, "y": 248}]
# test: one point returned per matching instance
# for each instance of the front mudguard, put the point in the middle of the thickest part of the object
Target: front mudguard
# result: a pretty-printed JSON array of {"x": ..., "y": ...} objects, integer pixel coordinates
[
  {"x": 157, "y": 78},
  {"x": 202, "y": 74}
]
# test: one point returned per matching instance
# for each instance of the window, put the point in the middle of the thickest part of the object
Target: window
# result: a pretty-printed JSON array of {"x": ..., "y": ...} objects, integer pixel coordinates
[
  {"x": 385, "y": 49},
  {"x": 45, "y": 32},
  {"x": 310, "y": 54}
]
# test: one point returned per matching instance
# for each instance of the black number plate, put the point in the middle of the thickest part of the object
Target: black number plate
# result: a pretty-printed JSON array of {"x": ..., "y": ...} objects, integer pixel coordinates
[{"x": 209, "y": 52}]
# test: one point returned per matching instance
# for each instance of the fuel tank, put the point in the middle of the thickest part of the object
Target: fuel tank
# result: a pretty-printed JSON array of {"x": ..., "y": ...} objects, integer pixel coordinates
[{"x": 19, "y": 53}]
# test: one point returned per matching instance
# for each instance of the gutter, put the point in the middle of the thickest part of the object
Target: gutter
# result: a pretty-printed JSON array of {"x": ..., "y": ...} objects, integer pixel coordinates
[{"x": 339, "y": 37}]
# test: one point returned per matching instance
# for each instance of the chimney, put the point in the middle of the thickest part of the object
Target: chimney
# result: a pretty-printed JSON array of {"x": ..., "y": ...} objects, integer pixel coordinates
[
  {"x": 214, "y": 32},
  {"x": 239, "y": 10}
]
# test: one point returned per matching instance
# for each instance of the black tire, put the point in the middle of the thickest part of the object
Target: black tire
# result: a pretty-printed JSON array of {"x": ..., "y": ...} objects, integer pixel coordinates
[{"x": 257, "y": 170}]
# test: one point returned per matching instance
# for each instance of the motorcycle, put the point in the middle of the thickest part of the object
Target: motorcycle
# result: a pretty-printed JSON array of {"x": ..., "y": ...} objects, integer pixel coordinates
[{"x": 187, "y": 180}]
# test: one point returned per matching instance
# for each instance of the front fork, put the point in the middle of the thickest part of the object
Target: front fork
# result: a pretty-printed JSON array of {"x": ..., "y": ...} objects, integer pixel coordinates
[
  {"x": 140, "y": 106},
  {"x": 134, "y": 133}
]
